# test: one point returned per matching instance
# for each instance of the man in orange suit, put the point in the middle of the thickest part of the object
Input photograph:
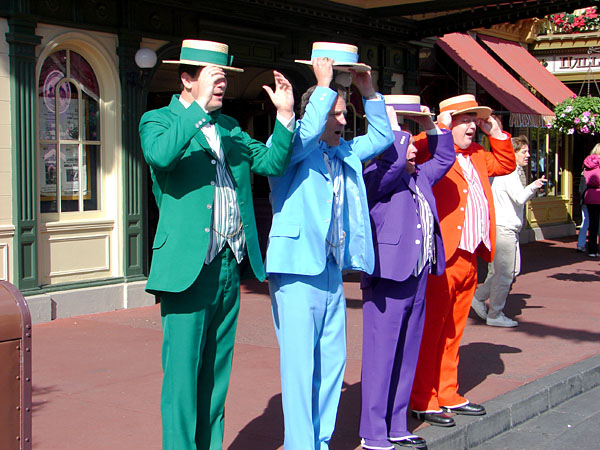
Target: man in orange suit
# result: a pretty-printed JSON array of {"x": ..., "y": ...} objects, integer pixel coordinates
[{"x": 467, "y": 219}]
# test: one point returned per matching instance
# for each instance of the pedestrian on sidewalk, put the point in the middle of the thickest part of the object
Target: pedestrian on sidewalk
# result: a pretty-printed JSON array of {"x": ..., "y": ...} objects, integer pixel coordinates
[
  {"x": 408, "y": 246},
  {"x": 467, "y": 219},
  {"x": 585, "y": 216},
  {"x": 510, "y": 192},
  {"x": 320, "y": 227},
  {"x": 206, "y": 240},
  {"x": 591, "y": 198}
]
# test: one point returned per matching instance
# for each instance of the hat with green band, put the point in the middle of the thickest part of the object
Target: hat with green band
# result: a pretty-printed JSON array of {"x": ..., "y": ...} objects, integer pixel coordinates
[{"x": 205, "y": 53}]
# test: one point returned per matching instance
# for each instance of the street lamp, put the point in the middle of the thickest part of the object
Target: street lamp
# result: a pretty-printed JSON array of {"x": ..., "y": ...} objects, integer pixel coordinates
[{"x": 145, "y": 58}]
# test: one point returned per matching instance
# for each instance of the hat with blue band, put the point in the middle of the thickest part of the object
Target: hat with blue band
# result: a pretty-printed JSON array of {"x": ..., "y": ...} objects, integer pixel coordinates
[
  {"x": 345, "y": 56},
  {"x": 406, "y": 105},
  {"x": 204, "y": 53}
]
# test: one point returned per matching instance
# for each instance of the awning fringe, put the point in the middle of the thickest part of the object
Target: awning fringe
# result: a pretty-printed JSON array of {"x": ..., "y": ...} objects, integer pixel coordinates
[{"x": 521, "y": 120}]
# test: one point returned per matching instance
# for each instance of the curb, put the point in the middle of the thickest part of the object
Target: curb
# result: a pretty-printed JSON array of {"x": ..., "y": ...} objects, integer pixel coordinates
[{"x": 517, "y": 406}]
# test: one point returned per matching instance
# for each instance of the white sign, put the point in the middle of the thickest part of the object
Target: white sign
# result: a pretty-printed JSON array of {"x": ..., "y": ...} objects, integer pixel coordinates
[{"x": 562, "y": 64}]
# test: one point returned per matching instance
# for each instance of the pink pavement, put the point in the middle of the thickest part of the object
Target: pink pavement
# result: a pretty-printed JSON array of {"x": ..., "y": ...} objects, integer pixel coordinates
[{"x": 96, "y": 378}]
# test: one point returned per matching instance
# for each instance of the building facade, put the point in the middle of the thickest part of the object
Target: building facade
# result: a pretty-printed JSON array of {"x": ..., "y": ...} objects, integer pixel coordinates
[{"x": 76, "y": 213}]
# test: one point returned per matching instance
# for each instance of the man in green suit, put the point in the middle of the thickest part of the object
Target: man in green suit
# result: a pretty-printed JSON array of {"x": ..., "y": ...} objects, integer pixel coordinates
[{"x": 206, "y": 240}]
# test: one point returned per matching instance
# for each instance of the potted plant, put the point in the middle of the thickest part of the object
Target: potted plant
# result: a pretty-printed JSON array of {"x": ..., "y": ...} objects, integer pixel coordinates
[
  {"x": 577, "y": 114},
  {"x": 576, "y": 22}
]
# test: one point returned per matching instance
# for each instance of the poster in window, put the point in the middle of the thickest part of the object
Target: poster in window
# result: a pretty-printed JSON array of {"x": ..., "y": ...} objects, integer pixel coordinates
[{"x": 69, "y": 173}]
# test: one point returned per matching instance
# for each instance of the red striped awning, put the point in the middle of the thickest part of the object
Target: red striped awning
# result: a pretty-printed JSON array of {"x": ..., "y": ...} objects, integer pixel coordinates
[
  {"x": 525, "y": 64},
  {"x": 525, "y": 109}
]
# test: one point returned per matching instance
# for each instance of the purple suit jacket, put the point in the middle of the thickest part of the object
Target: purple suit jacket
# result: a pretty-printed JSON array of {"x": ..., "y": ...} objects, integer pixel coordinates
[{"x": 394, "y": 212}]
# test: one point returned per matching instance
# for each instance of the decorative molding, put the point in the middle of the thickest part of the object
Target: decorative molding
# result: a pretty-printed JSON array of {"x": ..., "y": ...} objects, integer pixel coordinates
[
  {"x": 82, "y": 238},
  {"x": 7, "y": 231},
  {"x": 3, "y": 262},
  {"x": 57, "y": 227},
  {"x": 524, "y": 31}
]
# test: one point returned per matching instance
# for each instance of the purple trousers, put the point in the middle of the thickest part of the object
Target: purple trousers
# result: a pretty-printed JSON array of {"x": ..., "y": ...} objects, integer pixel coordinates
[{"x": 393, "y": 317}]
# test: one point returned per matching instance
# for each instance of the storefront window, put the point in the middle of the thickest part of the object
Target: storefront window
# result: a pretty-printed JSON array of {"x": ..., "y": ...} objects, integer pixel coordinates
[
  {"x": 546, "y": 149},
  {"x": 69, "y": 123}
]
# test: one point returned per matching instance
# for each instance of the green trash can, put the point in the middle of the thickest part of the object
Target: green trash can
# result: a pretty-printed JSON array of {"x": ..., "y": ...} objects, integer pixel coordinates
[{"x": 15, "y": 369}]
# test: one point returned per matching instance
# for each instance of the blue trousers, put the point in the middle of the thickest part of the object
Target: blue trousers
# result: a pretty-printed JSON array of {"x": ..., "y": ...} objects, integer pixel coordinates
[{"x": 309, "y": 313}]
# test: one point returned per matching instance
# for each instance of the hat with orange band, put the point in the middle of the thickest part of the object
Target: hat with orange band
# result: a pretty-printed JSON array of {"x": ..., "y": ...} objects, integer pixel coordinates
[{"x": 465, "y": 104}]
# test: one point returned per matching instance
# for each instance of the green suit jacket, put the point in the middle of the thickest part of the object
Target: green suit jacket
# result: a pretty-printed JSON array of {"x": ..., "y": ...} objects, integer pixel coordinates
[{"x": 183, "y": 170}]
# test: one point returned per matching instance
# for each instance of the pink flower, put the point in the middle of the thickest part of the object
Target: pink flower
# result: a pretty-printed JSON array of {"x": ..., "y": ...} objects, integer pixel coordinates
[
  {"x": 576, "y": 120},
  {"x": 585, "y": 129},
  {"x": 586, "y": 113}
]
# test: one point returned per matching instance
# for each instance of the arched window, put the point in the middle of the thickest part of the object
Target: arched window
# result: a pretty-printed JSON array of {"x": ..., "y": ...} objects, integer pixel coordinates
[{"x": 69, "y": 134}]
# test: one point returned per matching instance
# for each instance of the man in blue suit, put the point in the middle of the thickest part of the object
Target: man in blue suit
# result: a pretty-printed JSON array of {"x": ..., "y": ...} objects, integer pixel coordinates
[{"x": 320, "y": 227}]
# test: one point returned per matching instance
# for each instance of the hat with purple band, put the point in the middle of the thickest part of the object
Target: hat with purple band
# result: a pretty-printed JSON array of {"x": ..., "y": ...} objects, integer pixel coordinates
[
  {"x": 406, "y": 105},
  {"x": 205, "y": 53},
  {"x": 345, "y": 56}
]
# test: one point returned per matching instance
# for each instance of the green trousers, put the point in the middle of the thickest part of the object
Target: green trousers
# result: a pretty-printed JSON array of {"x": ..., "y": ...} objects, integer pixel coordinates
[{"x": 198, "y": 335}]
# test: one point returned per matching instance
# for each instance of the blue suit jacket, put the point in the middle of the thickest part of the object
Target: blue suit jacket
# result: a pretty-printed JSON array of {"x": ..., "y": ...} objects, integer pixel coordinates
[
  {"x": 391, "y": 190},
  {"x": 302, "y": 198}
]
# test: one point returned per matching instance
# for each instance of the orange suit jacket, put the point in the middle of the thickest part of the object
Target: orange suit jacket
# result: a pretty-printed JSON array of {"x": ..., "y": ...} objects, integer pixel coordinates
[{"x": 451, "y": 191}]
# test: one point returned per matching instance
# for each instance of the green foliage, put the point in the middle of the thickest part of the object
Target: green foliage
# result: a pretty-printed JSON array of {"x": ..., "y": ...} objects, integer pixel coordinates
[{"x": 581, "y": 114}]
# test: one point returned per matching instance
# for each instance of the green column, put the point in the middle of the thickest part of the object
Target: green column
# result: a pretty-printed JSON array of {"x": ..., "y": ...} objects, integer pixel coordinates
[
  {"x": 22, "y": 40},
  {"x": 134, "y": 168}
]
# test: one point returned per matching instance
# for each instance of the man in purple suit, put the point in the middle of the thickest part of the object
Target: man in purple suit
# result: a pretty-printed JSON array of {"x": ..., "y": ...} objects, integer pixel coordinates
[{"x": 408, "y": 246}]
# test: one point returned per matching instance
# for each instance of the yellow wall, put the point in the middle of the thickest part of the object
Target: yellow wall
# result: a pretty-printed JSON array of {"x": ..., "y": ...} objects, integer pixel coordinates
[{"x": 6, "y": 226}]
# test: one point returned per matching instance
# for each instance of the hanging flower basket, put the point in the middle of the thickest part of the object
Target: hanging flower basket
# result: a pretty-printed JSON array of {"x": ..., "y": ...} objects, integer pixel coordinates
[{"x": 577, "y": 114}]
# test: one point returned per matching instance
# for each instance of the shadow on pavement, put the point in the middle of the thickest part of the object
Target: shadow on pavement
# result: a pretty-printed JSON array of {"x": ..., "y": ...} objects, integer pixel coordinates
[
  {"x": 478, "y": 360},
  {"x": 269, "y": 423}
]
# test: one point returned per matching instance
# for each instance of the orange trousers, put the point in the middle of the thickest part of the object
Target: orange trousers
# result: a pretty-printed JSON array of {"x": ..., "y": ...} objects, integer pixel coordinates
[{"x": 448, "y": 301}]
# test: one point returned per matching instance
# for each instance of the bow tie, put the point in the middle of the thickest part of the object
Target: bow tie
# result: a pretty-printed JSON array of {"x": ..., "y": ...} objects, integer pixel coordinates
[{"x": 330, "y": 151}]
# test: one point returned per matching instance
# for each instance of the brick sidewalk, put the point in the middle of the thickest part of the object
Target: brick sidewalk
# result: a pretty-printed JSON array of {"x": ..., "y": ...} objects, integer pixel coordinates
[{"x": 97, "y": 378}]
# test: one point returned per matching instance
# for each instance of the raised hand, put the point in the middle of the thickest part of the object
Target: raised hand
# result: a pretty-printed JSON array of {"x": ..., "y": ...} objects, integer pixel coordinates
[
  {"x": 211, "y": 79},
  {"x": 425, "y": 121},
  {"x": 491, "y": 127},
  {"x": 363, "y": 82},
  {"x": 323, "y": 68},
  {"x": 445, "y": 118},
  {"x": 283, "y": 97},
  {"x": 393, "y": 117}
]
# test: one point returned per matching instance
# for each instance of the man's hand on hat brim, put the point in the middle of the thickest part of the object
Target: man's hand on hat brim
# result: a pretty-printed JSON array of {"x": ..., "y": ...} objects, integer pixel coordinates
[{"x": 323, "y": 68}]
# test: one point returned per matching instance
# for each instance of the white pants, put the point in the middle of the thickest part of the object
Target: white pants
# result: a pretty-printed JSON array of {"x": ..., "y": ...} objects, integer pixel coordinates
[{"x": 501, "y": 271}]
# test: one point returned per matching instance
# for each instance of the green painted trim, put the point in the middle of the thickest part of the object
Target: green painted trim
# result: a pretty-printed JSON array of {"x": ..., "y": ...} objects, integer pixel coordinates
[
  {"x": 21, "y": 41},
  {"x": 134, "y": 175}
]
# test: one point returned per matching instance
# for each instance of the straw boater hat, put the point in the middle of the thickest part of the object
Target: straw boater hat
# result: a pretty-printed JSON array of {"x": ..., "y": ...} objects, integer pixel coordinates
[
  {"x": 406, "y": 105},
  {"x": 204, "y": 53},
  {"x": 345, "y": 56},
  {"x": 465, "y": 104}
]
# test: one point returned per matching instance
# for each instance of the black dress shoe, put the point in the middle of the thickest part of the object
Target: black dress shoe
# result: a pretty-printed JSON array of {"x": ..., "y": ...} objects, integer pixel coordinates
[
  {"x": 470, "y": 409},
  {"x": 438, "y": 419},
  {"x": 411, "y": 442}
]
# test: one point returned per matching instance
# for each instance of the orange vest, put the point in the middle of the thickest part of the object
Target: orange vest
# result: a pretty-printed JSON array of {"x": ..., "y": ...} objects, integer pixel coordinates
[{"x": 451, "y": 191}]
